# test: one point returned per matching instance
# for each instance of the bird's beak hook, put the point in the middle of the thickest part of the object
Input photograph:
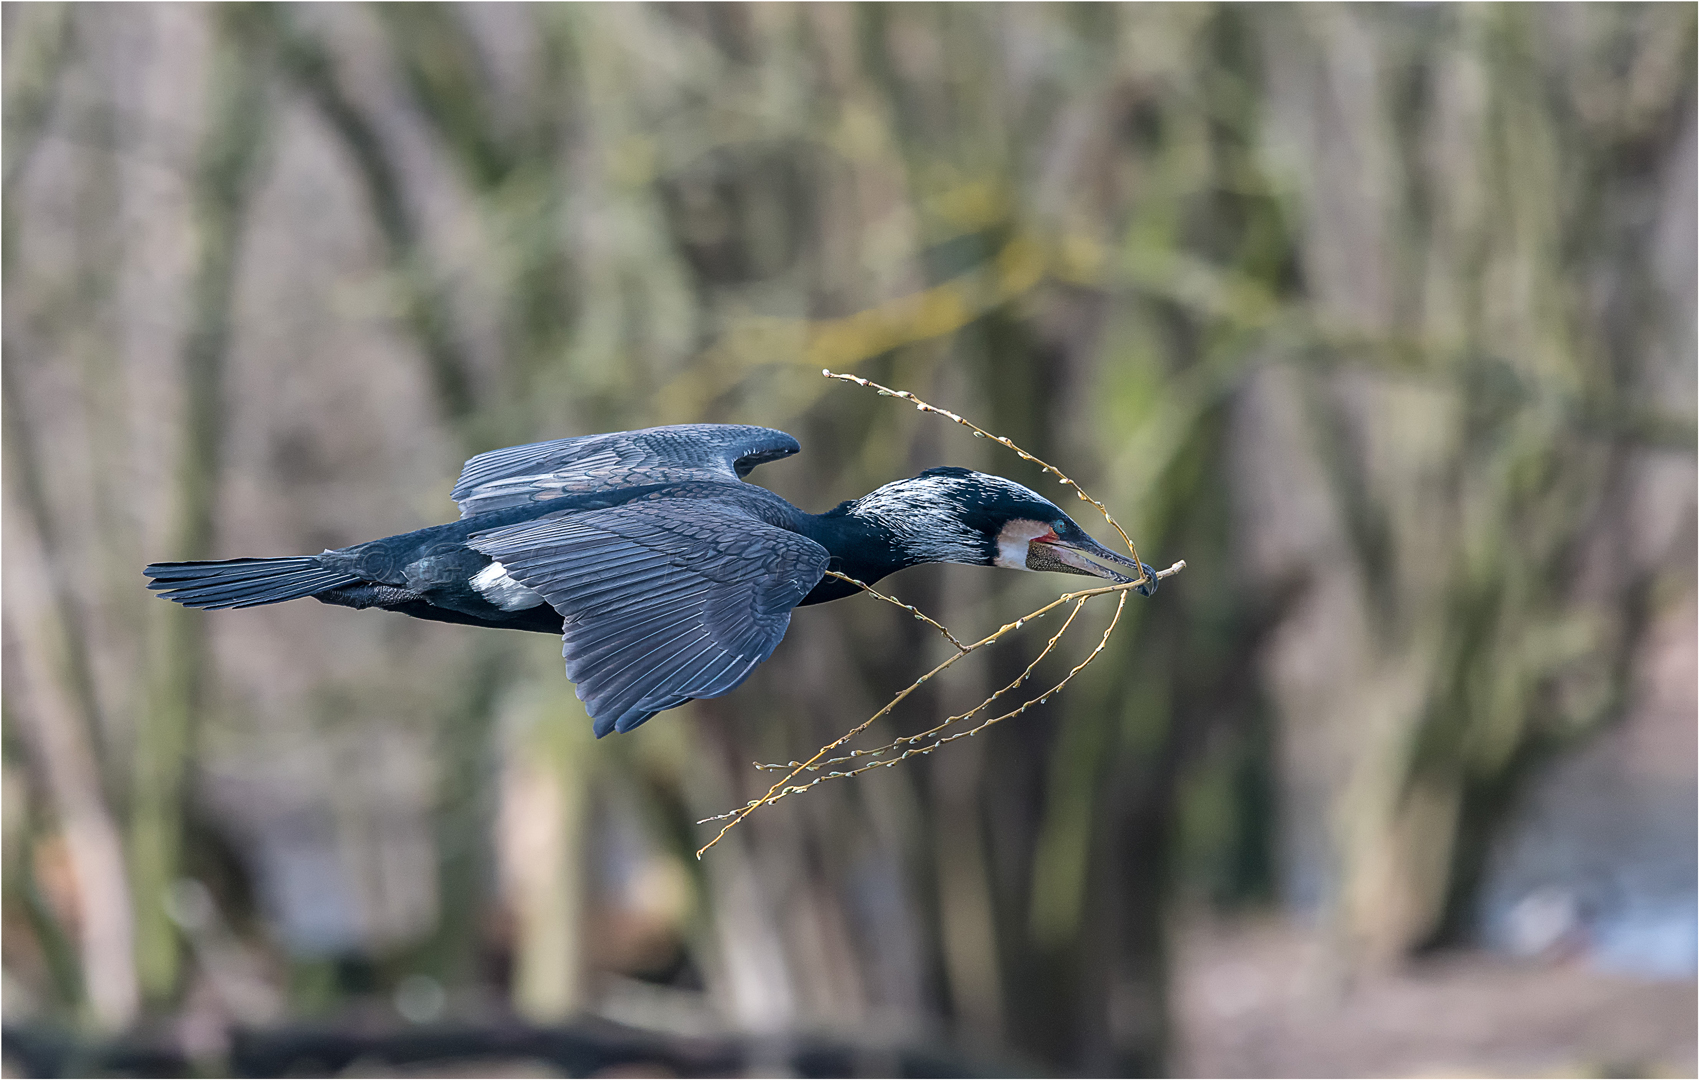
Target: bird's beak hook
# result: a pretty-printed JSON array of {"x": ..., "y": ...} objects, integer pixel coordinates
[{"x": 1083, "y": 555}]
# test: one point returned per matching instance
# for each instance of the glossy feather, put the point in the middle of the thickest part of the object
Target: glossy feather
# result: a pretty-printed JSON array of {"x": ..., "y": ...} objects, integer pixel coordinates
[
  {"x": 667, "y": 577},
  {"x": 540, "y": 472},
  {"x": 663, "y": 600}
]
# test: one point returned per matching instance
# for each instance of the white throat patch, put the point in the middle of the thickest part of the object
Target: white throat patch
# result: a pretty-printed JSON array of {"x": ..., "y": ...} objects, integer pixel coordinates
[{"x": 1013, "y": 540}]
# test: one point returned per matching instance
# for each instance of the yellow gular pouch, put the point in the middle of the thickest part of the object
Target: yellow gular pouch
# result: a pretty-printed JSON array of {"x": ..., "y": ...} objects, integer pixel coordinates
[
  {"x": 1040, "y": 556},
  {"x": 1060, "y": 547}
]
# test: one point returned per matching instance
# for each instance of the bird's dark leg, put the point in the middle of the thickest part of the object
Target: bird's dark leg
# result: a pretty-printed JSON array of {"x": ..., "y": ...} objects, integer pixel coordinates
[
  {"x": 365, "y": 595},
  {"x": 541, "y": 619}
]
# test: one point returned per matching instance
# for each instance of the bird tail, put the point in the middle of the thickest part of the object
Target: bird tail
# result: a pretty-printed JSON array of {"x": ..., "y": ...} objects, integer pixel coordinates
[{"x": 239, "y": 583}]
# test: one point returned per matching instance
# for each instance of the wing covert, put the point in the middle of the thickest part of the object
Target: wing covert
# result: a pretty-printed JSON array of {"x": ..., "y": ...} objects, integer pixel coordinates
[
  {"x": 537, "y": 472},
  {"x": 664, "y": 601}
]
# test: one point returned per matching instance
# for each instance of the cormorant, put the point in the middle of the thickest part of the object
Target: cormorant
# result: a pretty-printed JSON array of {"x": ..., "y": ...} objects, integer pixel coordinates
[{"x": 668, "y": 577}]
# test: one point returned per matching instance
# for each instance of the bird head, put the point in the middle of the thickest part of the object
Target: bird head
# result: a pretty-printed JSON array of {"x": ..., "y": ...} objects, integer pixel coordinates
[{"x": 956, "y": 515}]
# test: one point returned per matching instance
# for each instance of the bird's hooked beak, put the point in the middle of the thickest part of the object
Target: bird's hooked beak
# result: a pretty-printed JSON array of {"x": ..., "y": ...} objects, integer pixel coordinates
[{"x": 1075, "y": 552}]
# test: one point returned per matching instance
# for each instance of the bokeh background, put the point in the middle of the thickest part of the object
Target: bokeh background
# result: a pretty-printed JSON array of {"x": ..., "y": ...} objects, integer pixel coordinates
[{"x": 1381, "y": 317}]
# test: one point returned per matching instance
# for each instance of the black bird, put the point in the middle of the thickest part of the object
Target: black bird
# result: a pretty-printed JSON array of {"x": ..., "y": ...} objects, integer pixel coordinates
[{"x": 666, "y": 575}]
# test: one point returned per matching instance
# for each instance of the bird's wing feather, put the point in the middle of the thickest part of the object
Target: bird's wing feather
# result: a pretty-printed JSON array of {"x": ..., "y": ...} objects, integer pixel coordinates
[
  {"x": 664, "y": 601},
  {"x": 537, "y": 472}
]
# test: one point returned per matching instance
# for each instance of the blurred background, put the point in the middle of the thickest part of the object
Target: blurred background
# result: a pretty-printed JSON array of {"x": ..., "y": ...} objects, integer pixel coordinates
[{"x": 1383, "y": 318}]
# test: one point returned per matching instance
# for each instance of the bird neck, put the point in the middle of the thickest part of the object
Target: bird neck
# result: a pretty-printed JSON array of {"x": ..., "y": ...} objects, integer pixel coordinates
[
  {"x": 863, "y": 548},
  {"x": 882, "y": 533}
]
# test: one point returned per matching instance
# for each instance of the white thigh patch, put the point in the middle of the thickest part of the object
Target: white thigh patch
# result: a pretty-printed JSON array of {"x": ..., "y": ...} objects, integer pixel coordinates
[{"x": 494, "y": 585}]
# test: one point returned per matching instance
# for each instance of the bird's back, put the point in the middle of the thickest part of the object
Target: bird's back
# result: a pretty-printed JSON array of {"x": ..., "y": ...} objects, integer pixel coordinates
[{"x": 682, "y": 453}]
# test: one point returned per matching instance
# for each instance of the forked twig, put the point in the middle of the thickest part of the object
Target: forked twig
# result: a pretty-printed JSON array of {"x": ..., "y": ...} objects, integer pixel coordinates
[
  {"x": 909, "y": 746},
  {"x": 910, "y": 608},
  {"x": 919, "y": 736}
]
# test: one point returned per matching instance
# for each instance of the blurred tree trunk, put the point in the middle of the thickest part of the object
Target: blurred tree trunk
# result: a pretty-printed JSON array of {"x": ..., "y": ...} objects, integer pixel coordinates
[
  {"x": 312, "y": 67},
  {"x": 239, "y": 85},
  {"x": 542, "y": 829},
  {"x": 544, "y": 786},
  {"x": 59, "y": 734},
  {"x": 48, "y": 651},
  {"x": 1441, "y": 187}
]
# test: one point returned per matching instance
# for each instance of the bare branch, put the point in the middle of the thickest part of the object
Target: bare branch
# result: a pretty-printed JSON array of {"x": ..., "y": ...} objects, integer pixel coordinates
[
  {"x": 910, "y": 608},
  {"x": 909, "y": 746},
  {"x": 981, "y": 433}
]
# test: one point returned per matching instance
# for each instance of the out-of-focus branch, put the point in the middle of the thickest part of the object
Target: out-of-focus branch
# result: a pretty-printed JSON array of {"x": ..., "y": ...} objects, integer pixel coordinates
[
  {"x": 237, "y": 87},
  {"x": 311, "y": 68},
  {"x": 853, "y": 339},
  {"x": 50, "y": 721},
  {"x": 40, "y": 42},
  {"x": 587, "y": 1046}
]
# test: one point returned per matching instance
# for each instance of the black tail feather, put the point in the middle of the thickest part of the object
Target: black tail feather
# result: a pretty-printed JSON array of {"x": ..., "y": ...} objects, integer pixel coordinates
[{"x": 239, "y": 583}]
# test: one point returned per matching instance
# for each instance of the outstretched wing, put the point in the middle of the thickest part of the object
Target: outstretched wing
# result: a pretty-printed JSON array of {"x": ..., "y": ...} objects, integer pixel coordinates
[
  {"x": 537, "y": 472},
  {"x": 664, "y": 601}
]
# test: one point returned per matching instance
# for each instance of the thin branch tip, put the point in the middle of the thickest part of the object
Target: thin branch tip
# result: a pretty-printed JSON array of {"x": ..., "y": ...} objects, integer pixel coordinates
[{"x": 925, "y": 742}]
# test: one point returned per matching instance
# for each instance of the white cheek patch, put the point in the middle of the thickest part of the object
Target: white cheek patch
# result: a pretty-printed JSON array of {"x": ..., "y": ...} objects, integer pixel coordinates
[
  {"x": 1013, "y": 540},
  {"x": 493, "y": 584}
]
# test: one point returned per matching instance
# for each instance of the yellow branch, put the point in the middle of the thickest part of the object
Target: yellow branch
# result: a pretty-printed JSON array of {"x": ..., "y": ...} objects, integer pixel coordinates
[{"x": 821, "y": 756}]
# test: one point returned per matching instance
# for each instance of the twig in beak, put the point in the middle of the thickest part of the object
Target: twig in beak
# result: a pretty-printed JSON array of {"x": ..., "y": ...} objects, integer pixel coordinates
[{"x": 1081, "y": 555}]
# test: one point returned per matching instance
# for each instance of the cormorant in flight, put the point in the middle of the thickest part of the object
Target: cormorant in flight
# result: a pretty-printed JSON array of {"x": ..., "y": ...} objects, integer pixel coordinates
[{"x": 667, "y": 576}]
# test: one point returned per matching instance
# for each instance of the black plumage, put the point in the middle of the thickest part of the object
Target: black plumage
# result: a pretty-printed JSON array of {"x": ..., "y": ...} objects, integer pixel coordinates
[{"x": 666, "y": 575}]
